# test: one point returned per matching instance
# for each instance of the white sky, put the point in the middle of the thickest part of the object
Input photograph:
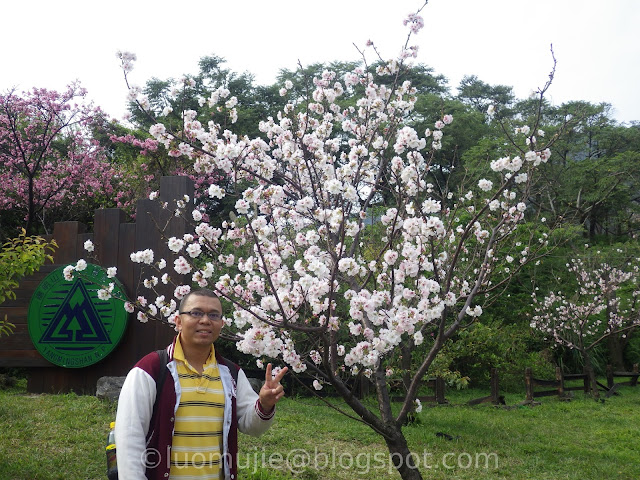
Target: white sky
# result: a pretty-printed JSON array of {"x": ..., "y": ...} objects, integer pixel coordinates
[{"x": 49, "y": 43}]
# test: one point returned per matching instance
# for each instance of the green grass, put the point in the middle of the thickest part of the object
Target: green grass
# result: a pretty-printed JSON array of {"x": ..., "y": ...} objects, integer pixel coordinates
[{"x": 46, "y": 437}]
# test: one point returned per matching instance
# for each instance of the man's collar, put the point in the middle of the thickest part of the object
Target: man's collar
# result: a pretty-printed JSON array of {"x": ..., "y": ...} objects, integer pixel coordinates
[{"x": 178, "y": 353}]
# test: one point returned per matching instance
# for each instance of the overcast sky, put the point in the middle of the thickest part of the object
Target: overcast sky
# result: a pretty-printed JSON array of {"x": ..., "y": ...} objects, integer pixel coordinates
[{"x": 49, "y": 43}]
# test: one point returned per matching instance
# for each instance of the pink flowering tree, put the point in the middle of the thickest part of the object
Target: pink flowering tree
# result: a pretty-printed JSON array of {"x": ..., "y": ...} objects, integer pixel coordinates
[
  {"x": 315, "y": 270},
  {"x": 602, "y": 304},
  {"x": 48, "y": 158}
]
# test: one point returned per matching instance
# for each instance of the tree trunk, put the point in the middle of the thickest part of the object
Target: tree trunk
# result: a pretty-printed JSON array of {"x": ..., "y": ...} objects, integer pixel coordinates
[
  {"x": 588, "y": 368},
  {"x": 31, "y": 208},
  {"x": 616, "y": 352},
  {"x": 405, "y": 462}
]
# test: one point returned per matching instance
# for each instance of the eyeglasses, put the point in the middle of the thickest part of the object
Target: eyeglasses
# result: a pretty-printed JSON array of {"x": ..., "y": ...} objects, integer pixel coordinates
[{"x": 197, "y": 314}]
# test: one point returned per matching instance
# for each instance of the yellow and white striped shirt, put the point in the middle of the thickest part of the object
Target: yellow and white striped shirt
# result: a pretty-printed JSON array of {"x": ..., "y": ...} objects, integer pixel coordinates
[{"x": 196, "y": 453}]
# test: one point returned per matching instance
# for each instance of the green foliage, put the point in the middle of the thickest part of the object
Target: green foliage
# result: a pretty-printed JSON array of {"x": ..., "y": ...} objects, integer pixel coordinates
[
  {"x": 6, "y": 327},
  {"x": 20, "y": 256},
  {"x": 480, "y": 95},
  {"x": 632, "y": 352},
  {"x": 593, "y": 172},
  {"x": 508, "y": 348}
]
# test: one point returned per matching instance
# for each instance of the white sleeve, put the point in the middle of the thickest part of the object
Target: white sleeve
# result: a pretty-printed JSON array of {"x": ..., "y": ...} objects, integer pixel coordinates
[
  {"x": 135, "y": 406},
  {"x": 250, "y": 420}
]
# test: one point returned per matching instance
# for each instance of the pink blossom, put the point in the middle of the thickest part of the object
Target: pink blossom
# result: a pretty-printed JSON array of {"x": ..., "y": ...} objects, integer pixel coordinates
[
  {"x": 68, "y": 272},
  {"x": 390, "y": 257},
  {"x": 181, "y": 265},
  {"x": 181, "y": 291}
]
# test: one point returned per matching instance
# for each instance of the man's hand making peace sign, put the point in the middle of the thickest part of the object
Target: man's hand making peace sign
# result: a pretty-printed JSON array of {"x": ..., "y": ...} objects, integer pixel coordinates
[{"x": 271, "y": 392}]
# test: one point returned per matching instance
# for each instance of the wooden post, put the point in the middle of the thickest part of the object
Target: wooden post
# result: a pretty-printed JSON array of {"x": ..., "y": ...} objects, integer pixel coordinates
[
  {"x": 440, "y": 390},
  {"x": 528, "y": 384},
  {"x": 495, "y": 393},
  {"x": 634, "y": 380},
  {"x": 610, "y": 381},
  {"x": 560, "y": 380}
]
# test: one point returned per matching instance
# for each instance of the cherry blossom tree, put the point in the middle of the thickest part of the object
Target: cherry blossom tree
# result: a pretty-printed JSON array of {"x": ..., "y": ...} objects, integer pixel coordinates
[
  {"x": 48, "y": 157},
  {"x": 595, "y": 310},
  {"x": 316, "y": 271}
]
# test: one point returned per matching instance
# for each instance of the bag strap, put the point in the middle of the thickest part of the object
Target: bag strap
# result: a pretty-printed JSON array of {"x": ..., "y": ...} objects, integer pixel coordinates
[
  {"x": 162, "y": 375},
  {"x": 233, "y": 368}
]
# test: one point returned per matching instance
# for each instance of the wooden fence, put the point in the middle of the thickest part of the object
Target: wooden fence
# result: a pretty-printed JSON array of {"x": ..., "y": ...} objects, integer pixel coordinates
[
  {"x": 633, "y": 377},
  {"x": 114, "y": 239},
  {"x": 558, "y": 385},
  {"x": 437, "y": 385},
  {"x": 563, "y": 383}
]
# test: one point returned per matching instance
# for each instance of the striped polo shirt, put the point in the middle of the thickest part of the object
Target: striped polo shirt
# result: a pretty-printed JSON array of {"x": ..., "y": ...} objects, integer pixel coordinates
[{"x": 197, "y": 436}]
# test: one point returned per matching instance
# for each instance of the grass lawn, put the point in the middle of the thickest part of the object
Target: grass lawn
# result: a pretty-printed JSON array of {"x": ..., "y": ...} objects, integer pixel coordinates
[{"x": 47, "y": 437}]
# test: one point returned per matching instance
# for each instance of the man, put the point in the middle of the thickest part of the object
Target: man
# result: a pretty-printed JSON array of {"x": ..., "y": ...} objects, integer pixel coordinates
[{"x": 201, "y": 405}]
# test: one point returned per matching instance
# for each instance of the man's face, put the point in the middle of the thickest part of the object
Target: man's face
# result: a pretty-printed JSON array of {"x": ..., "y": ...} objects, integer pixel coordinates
[{"x": 199, "y": 332}]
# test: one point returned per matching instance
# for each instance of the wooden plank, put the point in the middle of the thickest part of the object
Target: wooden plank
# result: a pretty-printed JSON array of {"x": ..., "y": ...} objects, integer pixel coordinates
[
  {"x": 106, "y": 228},
  {"x": 125, "y": 355},
  {"x": 23, "y": 358},
  {"x": 80, "y": 250},
  {"x": 18, "y": 340},
  {"x": 126, "y": 239},
  {"x": 16, "y": 314},
  {"x": 538, "y": 382},
  {"x": 66, "y": 235},
  {"x": 146, "y": 237},
  {"x": 171, "y": 190}
]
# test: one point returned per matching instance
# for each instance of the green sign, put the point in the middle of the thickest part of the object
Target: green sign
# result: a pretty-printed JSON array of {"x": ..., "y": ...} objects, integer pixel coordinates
[{"x": 69, "y": 325}]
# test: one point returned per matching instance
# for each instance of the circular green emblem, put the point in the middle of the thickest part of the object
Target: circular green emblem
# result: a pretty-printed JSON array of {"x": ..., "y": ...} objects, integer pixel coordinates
[{"x": 69, "y": 325}]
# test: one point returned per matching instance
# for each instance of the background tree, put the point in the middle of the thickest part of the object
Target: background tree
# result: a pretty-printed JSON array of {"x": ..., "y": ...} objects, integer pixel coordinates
[
  {"x": 480, "y": 95},
  {"x": 593, "y": 177},
  {"x": 49, "y": 162},
  {"x": 599, "y": 309}
]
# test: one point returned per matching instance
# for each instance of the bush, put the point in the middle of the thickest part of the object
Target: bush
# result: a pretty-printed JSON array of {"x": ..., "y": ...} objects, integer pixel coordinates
[
  {"x": 19, "y": 257},
  {"x": 509, "y": 348}
]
